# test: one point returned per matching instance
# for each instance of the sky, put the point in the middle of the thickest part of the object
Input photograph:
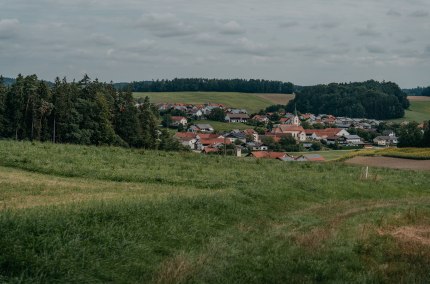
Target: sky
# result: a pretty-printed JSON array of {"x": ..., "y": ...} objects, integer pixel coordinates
[{"x": 306, "y": 42}]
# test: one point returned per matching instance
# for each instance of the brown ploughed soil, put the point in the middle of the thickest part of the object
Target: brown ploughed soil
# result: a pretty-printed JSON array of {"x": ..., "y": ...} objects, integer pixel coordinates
[{"x": 394, "y": 163}]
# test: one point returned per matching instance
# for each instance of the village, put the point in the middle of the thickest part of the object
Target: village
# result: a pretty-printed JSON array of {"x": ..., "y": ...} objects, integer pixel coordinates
[{"x": 274, "y": 135}]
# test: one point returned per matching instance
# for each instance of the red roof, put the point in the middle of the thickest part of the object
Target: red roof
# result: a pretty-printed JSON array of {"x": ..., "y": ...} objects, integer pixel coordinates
[
  {"x": 185, "y": 135},
  {"x": 177, "y": 118},
  {"x": 210, "y": 150},
  {"x": 287, "y": 128},
  {"x": 208, "y": 136},
  {"x": 215, "y": 141},
  {"x": 268, "y": 155},
  {"x": 323, "y": 132}
]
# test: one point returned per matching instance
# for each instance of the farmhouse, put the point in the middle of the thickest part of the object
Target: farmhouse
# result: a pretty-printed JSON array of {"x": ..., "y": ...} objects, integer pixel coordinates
[
  {"x": 385, "y": 140},
  {"x": 261, "y": 118},
  {"x": 179, "y": 120},
  {"x": 237, "y": 117},
  {"x": 268, "y": 155},
  {"x": 201, "y": 128}
]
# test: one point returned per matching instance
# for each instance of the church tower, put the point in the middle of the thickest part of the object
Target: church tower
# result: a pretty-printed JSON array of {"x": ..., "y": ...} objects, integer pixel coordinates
[{"x": 296, "y": 120}]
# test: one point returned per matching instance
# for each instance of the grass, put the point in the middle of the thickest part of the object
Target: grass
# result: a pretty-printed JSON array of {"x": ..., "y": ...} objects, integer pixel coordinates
[
  {"x": 252, "y": 102},
  {"x": 419, "y": 111},
  {"x": 223, "y": 126},
  {"x": 405, "y": 153},
  {"x": 100, "y": 214},
  {"x": 329, "y": 155}
]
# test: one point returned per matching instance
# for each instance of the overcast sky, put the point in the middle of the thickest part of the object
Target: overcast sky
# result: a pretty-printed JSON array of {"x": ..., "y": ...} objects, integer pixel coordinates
[{"x": 305, "y": 42}]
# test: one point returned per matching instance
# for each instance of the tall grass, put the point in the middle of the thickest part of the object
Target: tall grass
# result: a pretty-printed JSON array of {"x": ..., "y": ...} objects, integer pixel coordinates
[{"x": 180, "y": 217}]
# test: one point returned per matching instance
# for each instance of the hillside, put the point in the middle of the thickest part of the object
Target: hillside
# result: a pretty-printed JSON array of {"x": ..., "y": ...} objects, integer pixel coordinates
[
  {"x": 251, "y": 102},
  {"x": 100, "y": 214},
  {"x": 419, "y": 110}
]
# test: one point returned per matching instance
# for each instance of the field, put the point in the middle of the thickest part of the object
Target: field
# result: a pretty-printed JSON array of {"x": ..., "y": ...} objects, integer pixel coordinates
[
  {"x": 76, "y": 214},
  {"x": 223, "y": 126},
  {"x": 251, "y": 102},
  {"x": 330, "y": 155},
  {"x": 388, "y": 162},
  {"x": 418, "y": 111}
]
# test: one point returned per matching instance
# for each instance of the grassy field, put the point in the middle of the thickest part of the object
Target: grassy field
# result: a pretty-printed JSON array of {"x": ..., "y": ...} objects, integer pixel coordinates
[
  {"x": 404, "y": 153},
  {"x": 251, "y": 102},
  {"x": 418, "y": 111},
  {"x": 330, "y": 155},
  {"x": 222, "y": 126},
  {"x": 75, "y": 214}
]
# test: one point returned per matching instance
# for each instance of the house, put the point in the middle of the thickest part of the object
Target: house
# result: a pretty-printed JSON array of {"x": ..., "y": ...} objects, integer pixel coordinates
[
  {"x": 179, "y": 120},
  {"x": 261, "y": 118},
  {"x": 237, "y": 111},
  {"x": 320, "y": 134},
  {"x": 201, "y": 128},
  {"x": 237, "y": 117},
  {"x": 256, "y": 146},
  {"x": 236, "y": 135},
  {"x": 385, "y": 140},
  {"x": 353, "y": 140},
  {"x": 268, "y": 155},
  {"x": 285, "y": 120},
  {"x": 298, "y": 132},
  {"x": 253, "y": 133},
  {"x": 310, "y": 158}
]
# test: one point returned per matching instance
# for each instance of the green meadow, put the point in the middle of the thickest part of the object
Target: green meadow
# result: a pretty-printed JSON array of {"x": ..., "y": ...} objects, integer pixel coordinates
[
  {"x": 251, "y": 102},
  {"x": 224, "y": 126},
  {"x": 419, "y": 111},
  {"x": 82, "y": 214}
]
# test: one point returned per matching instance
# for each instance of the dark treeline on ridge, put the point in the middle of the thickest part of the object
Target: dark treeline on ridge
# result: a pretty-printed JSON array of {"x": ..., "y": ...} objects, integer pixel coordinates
[
  {"x": 85, "y": 112},
  {"x": 212, "y": 85},
  {"x": 370, "y": 99}
]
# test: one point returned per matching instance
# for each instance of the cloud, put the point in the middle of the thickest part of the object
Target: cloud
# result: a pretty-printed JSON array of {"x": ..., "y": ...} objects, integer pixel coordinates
[
  {"x": 231, "y": 28},
  {"x": 246, "y": 46},
  {"x": 9, "y": 28},
  {"x": 368, "y": 31},
  {"x": 374, "y": 48},
  {"x": 100, "y": 39},
  {"x": 209, "y": 39},
  {"x": 164, "y": 25},
  {"x": 393, "y": 13},
  {"x": 289, "y": 24},
  {"x": 419, "y": 14}
]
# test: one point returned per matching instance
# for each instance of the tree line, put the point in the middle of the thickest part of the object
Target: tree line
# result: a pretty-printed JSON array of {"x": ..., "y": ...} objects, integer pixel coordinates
[
  {"x": 211, "y": 85},
  {"x": 84, "y": 112},
  {"x": 370, "y": 99}
]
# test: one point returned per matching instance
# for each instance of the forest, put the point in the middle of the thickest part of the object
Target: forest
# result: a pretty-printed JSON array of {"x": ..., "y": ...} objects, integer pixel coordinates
[
  {"x": 369, "y": 99},
  {"x": 211, "y": 85},
  {"x": 84, "y": 112}
]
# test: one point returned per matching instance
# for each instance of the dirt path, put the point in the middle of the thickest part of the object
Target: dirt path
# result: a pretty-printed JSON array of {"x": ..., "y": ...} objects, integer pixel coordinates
[{"x": 394, "y": 163}]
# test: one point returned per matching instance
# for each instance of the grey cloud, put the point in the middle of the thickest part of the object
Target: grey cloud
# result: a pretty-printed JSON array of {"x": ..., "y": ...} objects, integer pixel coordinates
[
  {"x": 249, "y": 47},
  {"x": 209, "y": 39},
  {"x": 232, "y": 28},
  {"x": 394, "y": 13},
  {"x": 419, "y": 14},
  {"x": 326, "y": 25},
  {"x": 100, "y": 39},
  {"x": 289, "y": 24},
  {"x": 368, "y": 31},
  {"x": 9, "y": 28},
  {"x": 374, "y": 48},
  {"x": 165, "y": 25}
]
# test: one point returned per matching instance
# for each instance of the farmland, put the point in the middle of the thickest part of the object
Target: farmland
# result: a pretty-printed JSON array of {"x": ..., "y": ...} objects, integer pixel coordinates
[
  {"x": 251, "y": 102},
  {"x": 418, "y": 111},
  {"x": 102, "y": 214}
]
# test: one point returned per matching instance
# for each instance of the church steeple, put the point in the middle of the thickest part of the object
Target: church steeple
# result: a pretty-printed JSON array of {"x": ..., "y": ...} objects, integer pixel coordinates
[{"x": 296, "y": 120}]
